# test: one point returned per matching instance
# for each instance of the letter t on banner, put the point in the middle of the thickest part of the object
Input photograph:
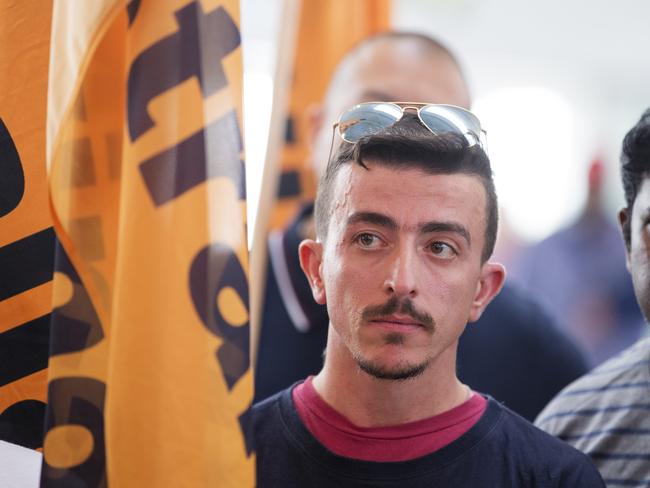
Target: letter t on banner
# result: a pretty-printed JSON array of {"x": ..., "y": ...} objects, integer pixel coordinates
[{"x": 149, "y": 380}]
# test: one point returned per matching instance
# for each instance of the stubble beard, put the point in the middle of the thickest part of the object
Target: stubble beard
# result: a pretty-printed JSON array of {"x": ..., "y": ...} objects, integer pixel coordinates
[
  {"x": 403, "y": 370},
  {"x": 400, "y": 372}
]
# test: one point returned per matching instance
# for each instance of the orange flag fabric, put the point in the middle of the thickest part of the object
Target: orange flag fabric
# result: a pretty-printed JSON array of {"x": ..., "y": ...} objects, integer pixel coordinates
[
  {"x": 149, "y": 378},
  {"x": 26, "y": 235},
  {"x": 327, "y": 31}
]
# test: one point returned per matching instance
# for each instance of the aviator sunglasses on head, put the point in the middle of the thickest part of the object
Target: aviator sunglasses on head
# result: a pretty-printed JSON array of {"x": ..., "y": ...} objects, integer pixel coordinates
[{"x": 371, "y": 117}]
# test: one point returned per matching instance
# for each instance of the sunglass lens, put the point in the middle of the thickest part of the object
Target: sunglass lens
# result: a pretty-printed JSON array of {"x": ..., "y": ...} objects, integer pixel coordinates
[
  {"x": 443, "y": 118},
  {"x": 367, "y": 118}
]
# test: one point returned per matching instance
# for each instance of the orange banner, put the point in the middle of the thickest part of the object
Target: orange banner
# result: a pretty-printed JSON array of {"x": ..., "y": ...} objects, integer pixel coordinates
[
  {"x": 149, "y": 380},
  {"x": 327, "y": 31},
  {"x": 26, "y": 235}
]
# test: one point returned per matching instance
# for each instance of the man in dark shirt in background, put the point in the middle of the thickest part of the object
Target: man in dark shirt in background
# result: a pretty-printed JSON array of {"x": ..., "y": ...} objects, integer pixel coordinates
[{"x": 514, "y": 352}]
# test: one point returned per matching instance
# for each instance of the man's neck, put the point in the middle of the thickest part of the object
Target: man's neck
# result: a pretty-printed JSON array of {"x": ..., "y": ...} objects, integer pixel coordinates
[{"x": 371, "y": 402}]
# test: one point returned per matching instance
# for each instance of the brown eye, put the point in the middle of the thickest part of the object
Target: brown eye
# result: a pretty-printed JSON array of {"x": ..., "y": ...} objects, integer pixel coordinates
[
  {"x": 367, "y": 240},
  {"x": 442, "y": 249}
]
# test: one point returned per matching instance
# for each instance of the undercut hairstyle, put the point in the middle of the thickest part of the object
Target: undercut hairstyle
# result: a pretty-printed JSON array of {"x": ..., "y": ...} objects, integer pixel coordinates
[
  {"x": 635, "y": 165},
  {"x": 408, "y": 144}
]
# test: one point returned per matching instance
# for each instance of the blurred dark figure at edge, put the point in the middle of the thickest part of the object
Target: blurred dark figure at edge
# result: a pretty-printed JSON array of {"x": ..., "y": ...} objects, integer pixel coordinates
[
  {"x": 605, "y": 413},
  {"x": 579, "y": 275},
  {"x": 514, "y": 352}
]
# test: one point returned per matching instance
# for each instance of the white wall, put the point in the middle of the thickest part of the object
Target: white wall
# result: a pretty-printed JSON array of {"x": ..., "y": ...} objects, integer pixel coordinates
[{"x": 587, "y": 61}]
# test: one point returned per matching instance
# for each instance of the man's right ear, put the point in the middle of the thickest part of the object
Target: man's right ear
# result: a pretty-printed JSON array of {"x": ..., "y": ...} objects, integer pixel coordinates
[{"x": 310, "y": 253}]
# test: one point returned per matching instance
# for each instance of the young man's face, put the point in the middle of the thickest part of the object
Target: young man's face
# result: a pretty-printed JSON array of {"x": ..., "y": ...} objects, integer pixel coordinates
[
  {"x": 401, "y": 269},
  {"x": 638, "y": 257}
]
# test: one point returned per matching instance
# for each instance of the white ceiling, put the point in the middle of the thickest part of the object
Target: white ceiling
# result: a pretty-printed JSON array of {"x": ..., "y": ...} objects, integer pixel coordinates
[{"x": 598, "y": 42}]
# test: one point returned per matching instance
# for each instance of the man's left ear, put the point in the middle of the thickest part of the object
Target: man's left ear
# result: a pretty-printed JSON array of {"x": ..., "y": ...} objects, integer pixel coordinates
[
  {"x": 624, "y": 224},
  {"x": 491, "y": 280}
]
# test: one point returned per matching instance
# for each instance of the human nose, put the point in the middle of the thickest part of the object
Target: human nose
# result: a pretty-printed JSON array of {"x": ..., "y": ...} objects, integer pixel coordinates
[{"x": 401, "y": 279}]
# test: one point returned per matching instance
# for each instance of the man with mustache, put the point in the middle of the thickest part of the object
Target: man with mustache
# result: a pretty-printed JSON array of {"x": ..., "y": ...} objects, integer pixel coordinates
[
  {"x": 406, "y": 220},
  {"x": 514, "y": 352}
]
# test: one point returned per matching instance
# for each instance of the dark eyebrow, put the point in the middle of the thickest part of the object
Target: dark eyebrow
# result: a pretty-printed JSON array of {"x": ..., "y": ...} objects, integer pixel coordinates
[
  {"x": 372, "y": 218},
  {"x": 446, "y": 227},
  {"x": 387, "y": 222}
]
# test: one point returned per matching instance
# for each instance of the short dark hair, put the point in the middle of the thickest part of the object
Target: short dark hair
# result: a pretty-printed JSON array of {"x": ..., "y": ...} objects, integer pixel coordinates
[
  {"x": 406, "y": 145},
  {"x": 635, "y": 165}
]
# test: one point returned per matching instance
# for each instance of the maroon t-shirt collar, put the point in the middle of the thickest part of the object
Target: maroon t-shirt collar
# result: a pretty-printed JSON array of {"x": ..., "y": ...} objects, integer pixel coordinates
[{"x": 383, "y": 444}]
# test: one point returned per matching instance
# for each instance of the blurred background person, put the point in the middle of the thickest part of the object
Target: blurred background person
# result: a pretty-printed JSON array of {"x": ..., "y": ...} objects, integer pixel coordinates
[
  {"x": 514, "y": 352},
  {"x": 579, "y": 274},
  {"x": 605, "y": 413}
]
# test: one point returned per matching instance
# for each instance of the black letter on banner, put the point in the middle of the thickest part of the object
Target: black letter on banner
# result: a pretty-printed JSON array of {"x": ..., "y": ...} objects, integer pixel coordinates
[
  {"x": 132, "y": 10},
  {"x": 22, "y": 423},
  {"x": 26, "y": 263},
  {"x": 196, "y": 49},
  {"x": 24, "y": 349},
  {"x": 75, "y": 325},
  {"x": 12, "y": 178},
  {"x": 77, "y": 401},
  {"x": 209, "y": 153},
  {"x": 214, "y": 268}
]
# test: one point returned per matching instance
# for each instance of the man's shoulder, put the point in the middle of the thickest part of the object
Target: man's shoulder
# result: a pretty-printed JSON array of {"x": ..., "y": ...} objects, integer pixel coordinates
[
  {"x": 538, "y": 452},
  {"x": 535, "y": 442},
  {"x": 270, "y": 405},
  {"x": 268, "y": 422},
  {"x": 274, "y": 414},
  {"x": 620, "y": 384},
  {"x": 605, "y": 415}
]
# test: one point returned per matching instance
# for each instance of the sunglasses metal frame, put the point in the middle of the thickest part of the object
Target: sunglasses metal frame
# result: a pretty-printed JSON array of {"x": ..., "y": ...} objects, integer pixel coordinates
[{"x": 480, "y": 138}]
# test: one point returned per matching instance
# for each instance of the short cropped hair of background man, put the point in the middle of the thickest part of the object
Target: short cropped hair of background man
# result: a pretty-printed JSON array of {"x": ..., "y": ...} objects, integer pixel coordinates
[
  {"x": 406, "y": 222},
  {"x": 606, "y": 413}
]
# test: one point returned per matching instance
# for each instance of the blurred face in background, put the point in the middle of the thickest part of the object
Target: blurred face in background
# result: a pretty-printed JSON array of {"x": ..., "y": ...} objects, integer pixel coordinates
[{"x": 392, "y": 69}]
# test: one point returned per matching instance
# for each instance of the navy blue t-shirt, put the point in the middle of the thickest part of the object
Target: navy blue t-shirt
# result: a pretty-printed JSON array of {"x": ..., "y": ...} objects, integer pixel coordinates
[{"x": 501, "y": 450}]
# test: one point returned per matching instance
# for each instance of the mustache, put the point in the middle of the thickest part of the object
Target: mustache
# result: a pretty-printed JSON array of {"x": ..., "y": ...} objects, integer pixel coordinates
[{"x": 394, "y": 305}]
